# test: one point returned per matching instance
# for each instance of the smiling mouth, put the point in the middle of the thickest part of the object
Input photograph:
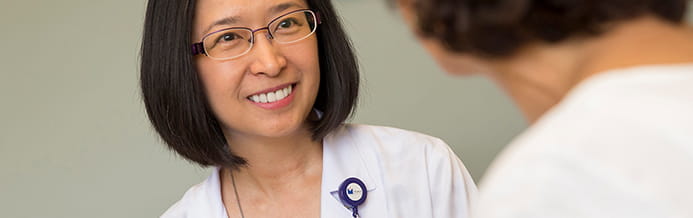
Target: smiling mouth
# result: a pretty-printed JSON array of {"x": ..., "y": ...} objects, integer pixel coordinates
[{"x": 272, "y": 96}]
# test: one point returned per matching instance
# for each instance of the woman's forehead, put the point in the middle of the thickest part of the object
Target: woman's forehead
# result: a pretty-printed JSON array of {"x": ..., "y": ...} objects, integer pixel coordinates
[
  {"x": 211, "y": 13},
  {"x": 245, "y": 8}
]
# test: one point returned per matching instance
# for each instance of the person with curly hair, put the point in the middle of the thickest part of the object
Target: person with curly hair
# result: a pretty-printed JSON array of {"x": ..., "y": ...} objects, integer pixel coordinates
[{"x": 606, "y": 86}]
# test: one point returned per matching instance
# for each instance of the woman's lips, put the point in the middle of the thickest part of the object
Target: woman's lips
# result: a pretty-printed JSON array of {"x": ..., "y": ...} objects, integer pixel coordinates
[{"x": 274, "y": 98}]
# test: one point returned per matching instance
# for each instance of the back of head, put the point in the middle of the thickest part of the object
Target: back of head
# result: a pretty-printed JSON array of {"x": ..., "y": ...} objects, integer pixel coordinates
[{"x": 497, "y": 28}]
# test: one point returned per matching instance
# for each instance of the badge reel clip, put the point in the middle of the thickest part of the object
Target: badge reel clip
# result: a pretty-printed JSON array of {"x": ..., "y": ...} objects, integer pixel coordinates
[{"x": 352, "y": 193}]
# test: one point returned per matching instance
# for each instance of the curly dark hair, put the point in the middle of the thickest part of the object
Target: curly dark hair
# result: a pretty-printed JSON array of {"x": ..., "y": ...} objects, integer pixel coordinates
[{"x": 496, "y": 28}]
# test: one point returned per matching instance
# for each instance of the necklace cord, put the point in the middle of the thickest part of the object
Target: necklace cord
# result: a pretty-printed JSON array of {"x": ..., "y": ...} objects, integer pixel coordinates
[{"x": 235, "y": 191}]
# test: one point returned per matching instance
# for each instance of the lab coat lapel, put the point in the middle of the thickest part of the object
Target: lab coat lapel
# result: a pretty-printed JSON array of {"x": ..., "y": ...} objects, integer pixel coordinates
[
  {"x": 342, "y": 159},
  {"x": 207, "y": 202}
]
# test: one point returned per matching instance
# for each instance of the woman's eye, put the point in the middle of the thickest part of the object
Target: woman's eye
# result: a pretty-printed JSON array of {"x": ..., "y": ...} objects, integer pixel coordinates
[
  {"x": 287, "y": 23},
  {"x": 228, "y": 37}
]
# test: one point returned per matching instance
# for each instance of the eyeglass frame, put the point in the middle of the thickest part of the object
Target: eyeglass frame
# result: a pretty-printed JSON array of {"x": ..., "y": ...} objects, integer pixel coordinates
[{"x": 198, "y": 48}]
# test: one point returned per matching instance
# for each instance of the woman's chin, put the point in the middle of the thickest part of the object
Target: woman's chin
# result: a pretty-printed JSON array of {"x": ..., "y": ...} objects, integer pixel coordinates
[{"x": 282, "y": 132}]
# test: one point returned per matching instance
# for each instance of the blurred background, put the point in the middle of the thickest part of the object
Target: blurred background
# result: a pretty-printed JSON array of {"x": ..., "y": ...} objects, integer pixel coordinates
[{"x": 75, "y": 142}]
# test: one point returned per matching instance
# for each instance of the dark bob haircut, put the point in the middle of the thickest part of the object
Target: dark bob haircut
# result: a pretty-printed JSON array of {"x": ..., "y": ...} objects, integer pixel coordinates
[
  {"x": 497, "y": 28},
  {"x": 174, "y": 96}
]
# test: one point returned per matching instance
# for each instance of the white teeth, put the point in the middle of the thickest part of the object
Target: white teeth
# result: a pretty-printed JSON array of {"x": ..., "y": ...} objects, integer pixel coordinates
[
  {"x": 280, "y": 94},
  {"x": 263, "y": 98},
  {"x": 272, "y": 96}
]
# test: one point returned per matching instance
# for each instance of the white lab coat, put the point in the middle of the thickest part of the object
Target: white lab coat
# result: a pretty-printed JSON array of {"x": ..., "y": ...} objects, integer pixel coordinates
[{"x": 407, "y": 174}]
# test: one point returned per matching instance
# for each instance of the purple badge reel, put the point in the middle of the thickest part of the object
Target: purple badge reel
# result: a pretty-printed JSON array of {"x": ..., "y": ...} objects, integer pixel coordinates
[{"x": 352, "y": 193}]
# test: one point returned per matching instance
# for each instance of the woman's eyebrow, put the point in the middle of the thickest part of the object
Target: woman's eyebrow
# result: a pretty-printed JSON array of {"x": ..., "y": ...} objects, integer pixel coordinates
[
  {"x": 223, "y": 21},
  {"x": 283, "y": 6},
  {"x": 234, "y": 19}
]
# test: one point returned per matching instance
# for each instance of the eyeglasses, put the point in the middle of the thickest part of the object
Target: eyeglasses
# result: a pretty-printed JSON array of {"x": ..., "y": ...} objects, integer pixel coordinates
[{"x": 234, "y": 42}]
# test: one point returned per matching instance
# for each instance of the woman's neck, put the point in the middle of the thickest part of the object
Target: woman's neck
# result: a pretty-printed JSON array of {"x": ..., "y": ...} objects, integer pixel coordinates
[
  {"x": 276, "y": 163},
  {"x": 539, "y": 76}
]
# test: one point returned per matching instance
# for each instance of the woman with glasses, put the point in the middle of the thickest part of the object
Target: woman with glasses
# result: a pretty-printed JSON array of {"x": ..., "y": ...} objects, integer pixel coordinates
[
  {"x": 607, "y": 86},
  {"x": 260, "y": 90}
]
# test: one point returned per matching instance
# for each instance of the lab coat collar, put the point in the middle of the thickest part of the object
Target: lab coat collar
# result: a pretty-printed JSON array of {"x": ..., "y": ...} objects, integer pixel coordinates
[
  {"x": 208, "y": 201},
  {"x": 344, "y": 157}
]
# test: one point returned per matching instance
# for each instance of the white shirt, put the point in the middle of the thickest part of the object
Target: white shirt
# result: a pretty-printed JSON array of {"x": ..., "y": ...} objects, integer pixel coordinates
[
  {"x": 619, "y": 145},
  {"x": 407, "y": 174}
]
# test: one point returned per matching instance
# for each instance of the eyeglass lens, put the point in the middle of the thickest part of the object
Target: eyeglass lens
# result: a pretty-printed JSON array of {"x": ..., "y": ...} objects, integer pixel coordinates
[{"x": 234, "y": 42}]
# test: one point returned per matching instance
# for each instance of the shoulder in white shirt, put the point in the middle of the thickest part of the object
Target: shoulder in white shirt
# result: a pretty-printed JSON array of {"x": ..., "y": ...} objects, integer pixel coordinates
[{"x": 619, "y": 145}]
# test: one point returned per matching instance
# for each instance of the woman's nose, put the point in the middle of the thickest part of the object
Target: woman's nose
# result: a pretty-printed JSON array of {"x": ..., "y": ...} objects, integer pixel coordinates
[{"x": 267, "y": 59}]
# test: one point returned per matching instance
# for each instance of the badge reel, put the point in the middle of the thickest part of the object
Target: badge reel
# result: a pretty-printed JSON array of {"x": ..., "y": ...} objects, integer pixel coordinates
[{"x": 352, "y": 193}]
